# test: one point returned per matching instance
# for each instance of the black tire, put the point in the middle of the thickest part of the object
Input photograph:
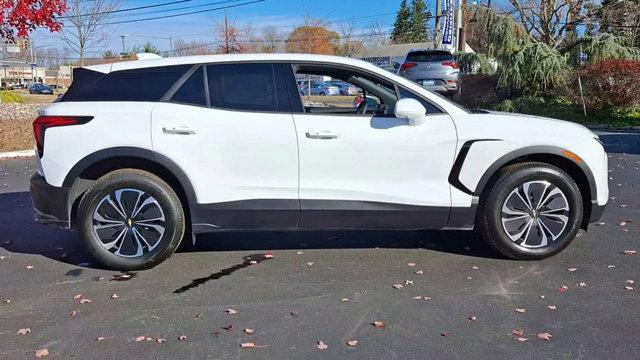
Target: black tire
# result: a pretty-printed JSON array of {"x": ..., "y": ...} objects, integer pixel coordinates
[
  {"x": 490, "y": 211},
  {"x": 162, "y": 203},
  {"x": 322, "y": 94}
]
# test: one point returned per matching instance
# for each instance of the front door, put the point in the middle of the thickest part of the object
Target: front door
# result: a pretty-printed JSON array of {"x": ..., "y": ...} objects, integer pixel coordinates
[{"x": 362, "y": 167}]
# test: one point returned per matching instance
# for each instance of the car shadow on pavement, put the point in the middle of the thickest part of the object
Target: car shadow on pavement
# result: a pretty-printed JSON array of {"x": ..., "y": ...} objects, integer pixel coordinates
[
  {"x": 621, "y": 143},
  {"x": 19, "y": 233}
]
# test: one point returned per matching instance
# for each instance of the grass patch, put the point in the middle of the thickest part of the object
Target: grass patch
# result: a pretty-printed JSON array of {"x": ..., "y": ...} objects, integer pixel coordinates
[
  {"x": 11, "y": 97},
  {"x": 16, "y": 135}
]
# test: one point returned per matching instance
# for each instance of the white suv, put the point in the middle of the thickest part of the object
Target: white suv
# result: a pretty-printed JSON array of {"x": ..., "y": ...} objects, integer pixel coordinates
[{"x": 137, "y": 154}]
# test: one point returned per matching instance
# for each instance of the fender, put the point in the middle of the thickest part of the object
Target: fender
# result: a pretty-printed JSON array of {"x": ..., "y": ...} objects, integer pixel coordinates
[{"x": 131, "y": 152}]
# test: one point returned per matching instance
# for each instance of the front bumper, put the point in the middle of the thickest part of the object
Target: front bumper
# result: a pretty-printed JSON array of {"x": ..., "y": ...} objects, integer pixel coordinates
[{"x": 50, "y": 202}]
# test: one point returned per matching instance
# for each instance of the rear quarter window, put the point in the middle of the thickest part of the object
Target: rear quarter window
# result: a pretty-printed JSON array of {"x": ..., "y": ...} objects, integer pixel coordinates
[
  {"x": 148, "y": 84},
  {"x": 429, "y": 56}
]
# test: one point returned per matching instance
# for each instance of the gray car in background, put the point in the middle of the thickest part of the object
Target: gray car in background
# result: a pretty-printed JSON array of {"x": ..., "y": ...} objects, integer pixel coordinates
[
  {"x": 321, "y": 89},
  {"x": 435, "y": 70},
  {"x": 345, "y": 87}
]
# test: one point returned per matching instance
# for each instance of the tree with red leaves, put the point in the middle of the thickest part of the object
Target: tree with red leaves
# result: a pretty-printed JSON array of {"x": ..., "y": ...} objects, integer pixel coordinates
[{"x": 20, "y": 17}]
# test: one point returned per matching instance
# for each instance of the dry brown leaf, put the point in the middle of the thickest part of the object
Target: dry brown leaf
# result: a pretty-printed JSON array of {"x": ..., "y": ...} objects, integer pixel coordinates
[
  {"x": 248, "y": 331},
  {"x": 517, "y": 332},
  {"x": 445, "y": 333},
  {"x": 411, "y": 264},
  {"x": 161, "y": 340},
  {"x": 419, "y": 272},
  {"x": 140, "y": 338},
  {"x": 299, "y": 252},
  {"x": 629, "y": 252},
  {"x": 247, "y": 345},
  {"x": 231, "y": 311},
  {"x": 24, "y": 331},
  {"x": 397, "y": 286},
  {"x": 630, "y": 281},
  {"x": 521, "y": 311},
  {"x": 77, "y": 297},
  {"x": 545, "y": 336},
  {"x": 198, "y": 316},
  {"x": 352, "y": 342},
  {"x": 85, "y": 301},
  {"x": 581, "y": 284},
  {"x": 408, "y": 282},
  {"x": 628, "y": 287},
  {"x": 182, "y": 338},
  {"x": 42, "y": 353},
  {"x": 475, "y": 267},
  {"x": 379, "y": 324},
  {"x": 521, "y": 339},
  {"x": 310, "y": 263},
  {"x": 552, "y": 307},
  {"x": 321, "y": 345}
]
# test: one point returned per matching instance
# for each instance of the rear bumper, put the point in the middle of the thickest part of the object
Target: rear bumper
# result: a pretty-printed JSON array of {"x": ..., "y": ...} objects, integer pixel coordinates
[{"x": 50, "y": 202}]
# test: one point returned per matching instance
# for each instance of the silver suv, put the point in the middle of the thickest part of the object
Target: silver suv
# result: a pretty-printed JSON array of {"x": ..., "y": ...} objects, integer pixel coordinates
[{"x": 435, "y": 70}]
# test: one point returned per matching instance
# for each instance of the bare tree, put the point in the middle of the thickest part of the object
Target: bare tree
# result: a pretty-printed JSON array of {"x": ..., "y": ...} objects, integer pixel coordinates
[
  {"x": 272, "y": 40},
  {"x": 378, "y": 36},
  {"x": 350, "y": 45},
  {"x": 85, "y": 28},
  {"x": 550, "y": 21},
  {"x": 190, "y": 48}
]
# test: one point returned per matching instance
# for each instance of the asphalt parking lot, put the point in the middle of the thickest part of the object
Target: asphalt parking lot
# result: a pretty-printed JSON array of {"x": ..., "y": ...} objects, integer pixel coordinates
[{"x": 326, "y": 286}]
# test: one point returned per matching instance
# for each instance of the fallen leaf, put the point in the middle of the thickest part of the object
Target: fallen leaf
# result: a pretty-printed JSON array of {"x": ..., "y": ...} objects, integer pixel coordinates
[
  {"x": 521, "y": 339},
  {"x": 475, "y": 267},
  {"x": 421, "y": 298},
  {"x": 419, "y": 272},
  {"x": 628, "y": 287},
  {"x": 611, "y": 266},
  {"x": 182, "y": 338},
  {"x": 397, "y": 286},
  {"x": 521, "y": 311},
  {"x": 123, "y": 277},
  {"x": 85, "y": 301},
  {"x": 545, "y": 336},
  {"x": 379, "y": 324},
  {"x": 408, "y": 282},
  {"x": 77, "y": 297},
  {"x": 629, "y": 252},
  {"x": 542, "y": 296},
  {"x": 411, "y": 264},
  {"x": 600, "y": 224},
  {"x": 42, "y": 353},
  {"x": 624, "y": 223},
  {"x": 572, "y": 269},
  {"x": 552, "y": 307},
  {"x": 445, "y": 333},
  {"x": 247, "y": 345},
  {"x": 352, "y": 342},
  {"x": 115, "y": 296},
  {"x": 581, "y": 284},
  {"x": 160, "y": 341},
  {"x": 228, "y": 327},
  {"x": 299, "y": 252},
  {"x": 6, "y": 301},
  {"x": 321, "y": 345},
  {"x": 140, "y": 338},
  {"x": 100, "y": 338},
  {"x": 563, "y": 288},
  {"x": 469, "y": 278},
  {"x": 310, "y": 264},
  {"x": 2, "y": 257},
  {"x": 294, "y": 313},
  {"x": 268, "y": 255},
  {"x": 248, "y": 331},
  {"x": 198, "y": 316},
  {"x": 29, "y": 267},
  {"x": 24, "y": 331},
  {"x": 517, "y": 332},
  {"x": 472, "y": 318},
  {"x": 253, "y": 262},
  {"x": 630, "y": 281},
  {"x": 344, "y": 300},
  {"x": 231, "y": 311}
]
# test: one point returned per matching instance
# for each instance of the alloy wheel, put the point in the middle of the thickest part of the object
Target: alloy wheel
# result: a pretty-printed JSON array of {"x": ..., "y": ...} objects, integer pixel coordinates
[
  {"x": 535, "y": 214},
  {"x": 129, "y": 222}
]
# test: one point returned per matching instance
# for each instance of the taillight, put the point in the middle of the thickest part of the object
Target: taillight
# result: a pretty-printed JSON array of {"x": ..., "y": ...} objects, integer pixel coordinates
[
  {"x": 452, "y": 64},
  {"x": 42, "y": 123},
  {"x": 407, "y": 66}
]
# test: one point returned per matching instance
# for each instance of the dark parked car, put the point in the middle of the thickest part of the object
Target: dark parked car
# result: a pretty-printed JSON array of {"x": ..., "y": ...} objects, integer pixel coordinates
[{"x": 40, "y": 89}]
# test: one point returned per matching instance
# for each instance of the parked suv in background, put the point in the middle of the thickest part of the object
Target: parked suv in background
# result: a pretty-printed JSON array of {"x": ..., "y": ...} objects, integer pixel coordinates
[
  {"x": 435, "y": 70},
  {"x": 136, "y": 155}
]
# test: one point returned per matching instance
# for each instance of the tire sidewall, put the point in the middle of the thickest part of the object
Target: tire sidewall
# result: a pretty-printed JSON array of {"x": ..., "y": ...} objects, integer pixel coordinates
[
  {"x": 173, "y": 214},
  {"x": 557, "y": 178}
]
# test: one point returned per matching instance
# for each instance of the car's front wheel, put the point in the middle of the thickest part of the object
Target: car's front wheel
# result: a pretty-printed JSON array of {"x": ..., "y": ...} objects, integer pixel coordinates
[
  {"x": 131, "y": 220},
  {"x": 531, "y": 211}
]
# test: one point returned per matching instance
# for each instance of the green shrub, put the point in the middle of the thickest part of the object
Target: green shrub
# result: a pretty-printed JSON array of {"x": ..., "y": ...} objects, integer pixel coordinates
[{"x": 11, "y": 97}]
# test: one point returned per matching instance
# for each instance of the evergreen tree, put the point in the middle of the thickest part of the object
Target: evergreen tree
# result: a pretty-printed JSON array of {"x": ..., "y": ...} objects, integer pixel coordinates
[
  {"x": 419, "y": 20},
  {"x": 402, "y": 27}
]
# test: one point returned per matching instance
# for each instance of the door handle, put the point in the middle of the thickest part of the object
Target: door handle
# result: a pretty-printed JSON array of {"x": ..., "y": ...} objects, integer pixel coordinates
[
  {"x": 322, "y": 135},
  {"x": 178, "y": 131}
]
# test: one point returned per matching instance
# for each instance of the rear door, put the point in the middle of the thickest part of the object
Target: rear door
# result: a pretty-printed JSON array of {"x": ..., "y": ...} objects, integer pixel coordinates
[{"x": 230, "y": 129}]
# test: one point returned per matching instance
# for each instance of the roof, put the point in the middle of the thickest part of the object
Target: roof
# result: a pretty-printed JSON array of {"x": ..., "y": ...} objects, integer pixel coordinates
[{"x": 204, "y": 59}]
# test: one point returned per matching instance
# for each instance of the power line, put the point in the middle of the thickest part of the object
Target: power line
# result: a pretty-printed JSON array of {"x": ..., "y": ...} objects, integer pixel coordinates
[
  {"x": 183, "y": 14},
  {"x": 128, "y": 9},
  {"x": 188, "y": 7}
]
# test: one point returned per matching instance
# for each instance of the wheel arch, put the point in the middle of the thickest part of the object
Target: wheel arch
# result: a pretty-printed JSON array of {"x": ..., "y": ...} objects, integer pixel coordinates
[
  {"x": 97, "y": 164},
  {"x": 551, "y": 155}
]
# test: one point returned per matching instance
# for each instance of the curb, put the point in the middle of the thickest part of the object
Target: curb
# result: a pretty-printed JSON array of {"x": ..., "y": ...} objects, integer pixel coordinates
[
  {"x": 605, "y": 127},
  {"x": 17, "y": 154}
]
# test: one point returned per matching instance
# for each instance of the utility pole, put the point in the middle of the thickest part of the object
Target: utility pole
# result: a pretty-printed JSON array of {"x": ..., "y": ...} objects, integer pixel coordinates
[
  {"x": 438, "y": 13},
  {"x": 123, "y": 48},
  {"x": 462, "y": 36},
  {"x": 226, "y": 33}
]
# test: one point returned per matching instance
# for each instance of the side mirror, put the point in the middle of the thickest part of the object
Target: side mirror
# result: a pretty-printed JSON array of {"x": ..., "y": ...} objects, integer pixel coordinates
[{"x": 412, "y": 110}]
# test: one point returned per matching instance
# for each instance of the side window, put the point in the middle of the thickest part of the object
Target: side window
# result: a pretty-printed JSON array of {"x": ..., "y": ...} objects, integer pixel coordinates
[
  {"x": 431, "y": 109},
  {"x": 146, "y": 84},
  {"x": 250, "y": 87},
  {"x": 192, "y": 91}
]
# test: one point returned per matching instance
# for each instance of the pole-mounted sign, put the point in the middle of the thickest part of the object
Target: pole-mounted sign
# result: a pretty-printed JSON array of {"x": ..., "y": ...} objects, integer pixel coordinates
[{"x": 447, "y": 32}]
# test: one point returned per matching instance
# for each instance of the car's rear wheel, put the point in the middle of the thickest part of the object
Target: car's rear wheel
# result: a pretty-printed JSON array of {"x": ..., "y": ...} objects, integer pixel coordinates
[
  {"x": 131, "y": 220},
  {"x": 531, "y": 211},
  {"x": 322, "y": 94}
]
